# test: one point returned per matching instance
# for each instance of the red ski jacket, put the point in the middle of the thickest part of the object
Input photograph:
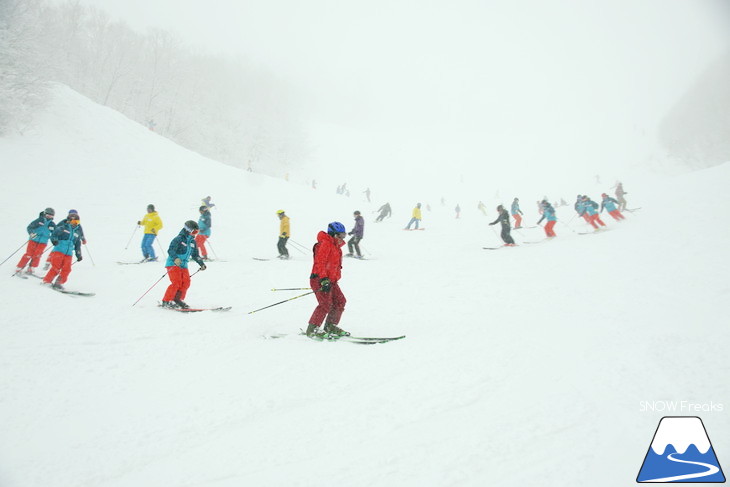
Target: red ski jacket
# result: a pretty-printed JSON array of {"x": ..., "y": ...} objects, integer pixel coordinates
[{"x": 327, "y": 257}]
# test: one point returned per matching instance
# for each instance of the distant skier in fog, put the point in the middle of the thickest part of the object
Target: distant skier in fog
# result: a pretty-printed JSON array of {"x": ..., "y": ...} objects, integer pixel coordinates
[
  {"x": 516, "y": 213},
  {"x": 548, "y": 212},
  {"x": 611, "y": 205},
  {"x": 385, "y": 211},
  {"x": 620, "y": 196},
  {"x": 503, "y": 219},
  {"x": 415, "y": 217}
]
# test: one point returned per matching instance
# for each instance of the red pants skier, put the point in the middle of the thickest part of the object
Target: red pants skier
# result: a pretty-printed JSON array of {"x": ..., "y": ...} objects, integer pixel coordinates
[
  {"x": 60, "y": 266},
  {"x": 592, "y": 219},
  {"x": 179, "y": 283},
  {"x": 200, "y": 242},
  {"x": 617, "y": 215},
  {"x": 549, "y": 229},
  {"x": 33, "y": 254}
]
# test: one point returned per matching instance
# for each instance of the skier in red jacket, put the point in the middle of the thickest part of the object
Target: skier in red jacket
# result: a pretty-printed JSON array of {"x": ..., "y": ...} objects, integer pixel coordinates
[{"x": 324, "y": 281}]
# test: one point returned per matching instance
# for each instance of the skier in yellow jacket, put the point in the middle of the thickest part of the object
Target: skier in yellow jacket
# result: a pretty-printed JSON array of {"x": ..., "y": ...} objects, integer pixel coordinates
[
  {"x": 415, "y": 217},
  {"x": 284, "y": 234},
  {"x": 152, "y": 224}
]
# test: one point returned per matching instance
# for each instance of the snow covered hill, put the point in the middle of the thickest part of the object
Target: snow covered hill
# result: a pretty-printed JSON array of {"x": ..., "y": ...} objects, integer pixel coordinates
[{"x": 522, "y": 366}]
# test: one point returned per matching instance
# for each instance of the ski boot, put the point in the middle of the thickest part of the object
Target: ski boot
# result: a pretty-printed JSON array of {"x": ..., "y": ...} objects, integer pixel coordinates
[
  {"x": 312, "y": 330},
  {"x": 181, "y": 304},
  {"x": 335, "y": 330}
]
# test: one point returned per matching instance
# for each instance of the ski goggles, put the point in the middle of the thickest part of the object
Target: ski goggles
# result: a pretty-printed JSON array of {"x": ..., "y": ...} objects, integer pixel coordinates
[{"x": 74, "y": 221}]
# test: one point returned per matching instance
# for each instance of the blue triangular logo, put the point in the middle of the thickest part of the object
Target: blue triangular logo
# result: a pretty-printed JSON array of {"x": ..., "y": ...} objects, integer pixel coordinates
[{"x": 681, "y": 452}]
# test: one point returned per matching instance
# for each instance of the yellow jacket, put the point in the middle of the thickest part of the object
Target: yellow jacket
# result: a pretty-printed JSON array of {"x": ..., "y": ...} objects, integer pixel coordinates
[
  {"x": 417, "y": 213},
  {"x": 152, "y": 223},
  {"x": 284, "y": 227}
]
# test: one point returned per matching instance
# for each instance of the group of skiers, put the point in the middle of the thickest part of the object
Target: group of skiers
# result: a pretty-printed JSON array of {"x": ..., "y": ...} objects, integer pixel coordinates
[
  {"x": 66, "y": 237},
  {"x": 190, "y": 244}
]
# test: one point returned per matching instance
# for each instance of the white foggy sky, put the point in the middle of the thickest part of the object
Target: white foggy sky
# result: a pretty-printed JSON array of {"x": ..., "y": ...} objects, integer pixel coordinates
[{"x": 473, "y": 79}]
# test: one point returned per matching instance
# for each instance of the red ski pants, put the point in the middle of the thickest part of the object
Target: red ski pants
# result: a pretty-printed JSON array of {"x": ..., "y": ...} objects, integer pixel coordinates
[
  {"x": 33, "y": 254},
  {"x": 180, "y": 282},
  {"x": 60, "y": 266},
  {"x": 330, "y": 304},
  {"x": 518, "y": 220},
  {"x": 200, "y": 241},
  {"x": 549, "y": 229},
  {"x": 595, "y": 218},
  {"x": 617, "y": 215}
]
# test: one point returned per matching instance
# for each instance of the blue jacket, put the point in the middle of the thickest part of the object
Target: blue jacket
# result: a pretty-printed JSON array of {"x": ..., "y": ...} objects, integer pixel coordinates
[
  {"x": 204, "y": 224},
  {"x": 588, "y": 206},
  {"x": 67, "y": 239},
  {"x": 548, "y": 212},
  {"x": 42, "y": 227},
  {"x": 608, "y": 203},
  {"x": 183, "y": 247},
  {"x": 516, "y": 208}
]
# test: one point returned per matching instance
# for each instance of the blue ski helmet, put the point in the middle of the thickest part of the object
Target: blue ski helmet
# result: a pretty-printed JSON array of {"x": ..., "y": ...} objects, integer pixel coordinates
[{"x": 336, "y": 227}]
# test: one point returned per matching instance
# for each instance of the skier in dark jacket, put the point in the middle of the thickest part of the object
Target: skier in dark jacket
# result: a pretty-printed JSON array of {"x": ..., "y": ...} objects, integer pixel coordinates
[
  {"x": 181, "y": 250},
  {"x": 503, "y": 219},
  {"x": 324, "y": 281},
  {"x": 385, "y": 211},
  {"x": 357, "y": 232},
  {"x": 66, "y": 239},
  {"x": 39, "y": 231}
]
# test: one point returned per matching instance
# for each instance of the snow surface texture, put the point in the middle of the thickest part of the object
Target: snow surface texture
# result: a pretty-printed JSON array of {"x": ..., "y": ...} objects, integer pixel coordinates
[{"x": 523, "y": 366}]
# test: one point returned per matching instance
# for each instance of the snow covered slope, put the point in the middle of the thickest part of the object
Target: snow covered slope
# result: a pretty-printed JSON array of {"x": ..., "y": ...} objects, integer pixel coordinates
[{"x": 521, "y": 366}]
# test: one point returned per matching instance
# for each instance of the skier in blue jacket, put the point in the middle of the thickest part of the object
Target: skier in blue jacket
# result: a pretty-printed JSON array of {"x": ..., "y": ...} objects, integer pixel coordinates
[
  {"x": 181, "y": 250},
  {"x": 66, "y": 239},
  {"x": 39, "y": 231},
  {"x": 204, "y": 224}
]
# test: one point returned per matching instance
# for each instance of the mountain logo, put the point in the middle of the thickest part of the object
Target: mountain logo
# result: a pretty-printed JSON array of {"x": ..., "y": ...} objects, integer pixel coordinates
[{"x": 681, "y": 452}]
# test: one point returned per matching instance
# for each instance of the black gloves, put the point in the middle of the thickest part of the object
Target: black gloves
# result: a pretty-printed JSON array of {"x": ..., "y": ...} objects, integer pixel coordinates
[
  {"x": 491, "y": 224},
  {"x": 79, "y": 258},
  {"x": 325, "y": 285},
  {"x": 54, "y": 241},
  {"x": 203, "y": 267}
]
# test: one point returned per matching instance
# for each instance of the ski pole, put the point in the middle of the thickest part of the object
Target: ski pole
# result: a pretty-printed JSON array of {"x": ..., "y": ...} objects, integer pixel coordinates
[
  {"x": 162, "y": 251},
  {"x": 299, "y": 246},
  {"x": 280, "y": 302},
  {"x": 150, "y": 289},
  {"x": 9, "y": 256},
  {"x": 130, "y": 238},
  {"x": 291, "y": 289},
  {"x": 90, "y": 257},
  {"x": 212, "y": 249}
]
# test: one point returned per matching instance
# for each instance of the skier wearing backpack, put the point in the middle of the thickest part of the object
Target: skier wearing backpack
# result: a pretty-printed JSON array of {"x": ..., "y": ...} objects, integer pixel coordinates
[
  {"x": 611, "y": 205},
  {"x": 590, "y": 208},
  {"x": 66, "y": 239},
  {"x": 516, "y": 213},
  {"x": 548, "y": 212},
  {"x": 182, "y": 248},
  {"x": 503, "y": 218},
  {"x": 152, "y": 224},
  {"x": 204, "y": 224},
  {"x": 39, "y": 231},
  {"x": 324, "y": 281}
]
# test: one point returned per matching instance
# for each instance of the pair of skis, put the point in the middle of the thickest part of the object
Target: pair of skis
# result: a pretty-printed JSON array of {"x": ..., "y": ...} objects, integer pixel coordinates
[
  {"x": 196, "y": 310},
  {"x": 59, "y": 290}
]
